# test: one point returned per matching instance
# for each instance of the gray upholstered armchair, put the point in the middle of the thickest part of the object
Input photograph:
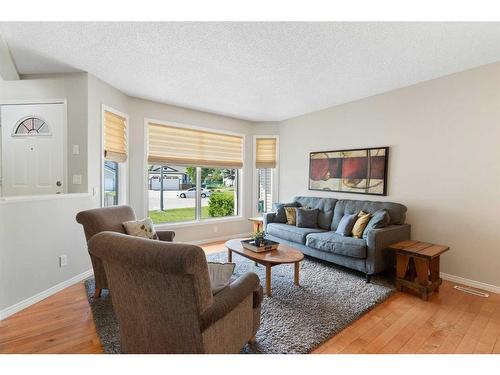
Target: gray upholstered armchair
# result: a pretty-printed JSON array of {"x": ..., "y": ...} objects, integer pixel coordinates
[
  {"x": 109, "y": 219},
  {"x": 163, "y": 299}
]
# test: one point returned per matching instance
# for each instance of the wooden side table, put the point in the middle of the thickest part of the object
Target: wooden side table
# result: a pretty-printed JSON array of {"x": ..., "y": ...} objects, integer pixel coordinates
[
  {"x": 258, "y": 223},
  {"x": 417, "y": 266}
]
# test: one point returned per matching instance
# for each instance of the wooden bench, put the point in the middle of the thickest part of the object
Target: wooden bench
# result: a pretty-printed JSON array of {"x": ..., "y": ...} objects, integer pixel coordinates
[{"x": 417, "y": 266}]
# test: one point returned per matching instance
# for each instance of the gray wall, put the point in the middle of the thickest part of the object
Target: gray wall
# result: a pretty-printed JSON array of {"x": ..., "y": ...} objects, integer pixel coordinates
[
  {"x": 73, "y": 88},
  {"x": 444, "y": 138},
  {"x": 34, "y": 233}
]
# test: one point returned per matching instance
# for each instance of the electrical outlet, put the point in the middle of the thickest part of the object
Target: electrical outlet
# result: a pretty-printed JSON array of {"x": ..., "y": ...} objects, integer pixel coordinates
[
  {"x": 76, "y": 150},
  {"x": 63, "y": 260},
  {"x": 216, "y": 229}
]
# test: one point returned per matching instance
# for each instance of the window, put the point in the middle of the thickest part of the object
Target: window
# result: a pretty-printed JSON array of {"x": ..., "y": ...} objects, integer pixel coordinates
[
  {"x": 265, "y": 192},
  {"x": 110, "y": 183},
  {"x": 200, "y": 170},
  {"x": 115, "y": 157},
  {"x": 32, "y": 126},
  {"x": 266, "y": 172}
]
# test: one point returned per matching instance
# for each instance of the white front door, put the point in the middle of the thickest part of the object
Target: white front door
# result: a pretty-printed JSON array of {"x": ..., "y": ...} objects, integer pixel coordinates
[{"x": 33, "y": 149}]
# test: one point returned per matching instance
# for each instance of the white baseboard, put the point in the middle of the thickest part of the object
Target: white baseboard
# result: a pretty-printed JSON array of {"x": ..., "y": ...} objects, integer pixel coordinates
[
  {"x": 471, "y": 283},
  {"x": 217, "y": 239},
  {"x": 42, "y": 295}
]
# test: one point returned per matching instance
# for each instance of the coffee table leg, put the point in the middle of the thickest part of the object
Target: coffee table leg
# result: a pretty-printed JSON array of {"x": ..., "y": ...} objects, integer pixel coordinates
[
  {"x": 268, "y": 280},
  {"x": 296, "y": 273},
  {"x": 229, "y": 256}
]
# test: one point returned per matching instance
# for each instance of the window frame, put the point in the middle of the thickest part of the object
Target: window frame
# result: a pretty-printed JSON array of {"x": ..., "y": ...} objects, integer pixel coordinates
[
  {"x": 275, "y": 174},
  {"x": 200, "y": 221},
  {"x": 123, "y": 168}
]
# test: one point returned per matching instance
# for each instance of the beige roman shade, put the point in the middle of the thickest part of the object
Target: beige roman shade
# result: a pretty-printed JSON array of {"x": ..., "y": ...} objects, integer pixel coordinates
[
  {"x": 192, "y": 147},
  {"x": 265, "y": 153},
  {"x": 115, "y": 137}
]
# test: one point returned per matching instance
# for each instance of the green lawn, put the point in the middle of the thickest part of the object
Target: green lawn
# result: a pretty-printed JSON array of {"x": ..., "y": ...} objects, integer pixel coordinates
[
  {"x": 176, "y": 214},
  {"x": 184, "y": 214}
]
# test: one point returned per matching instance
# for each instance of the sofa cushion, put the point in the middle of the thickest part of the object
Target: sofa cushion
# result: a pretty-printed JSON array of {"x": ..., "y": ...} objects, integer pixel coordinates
[
  {"x": 291, "y": 215},
  {"x": 346, "y": 224},
  {"x": 324, "y": 205},
  {"x": 307, "y": 218},
  {"x": 380, "y": 219},
  {"x": 397, "y": 212},
  {"x": 291, "y": 232},
  {"x": 279, "y": 208},
  {"x": 337, "y": 244},
  {"x": 360, "y": 225}
]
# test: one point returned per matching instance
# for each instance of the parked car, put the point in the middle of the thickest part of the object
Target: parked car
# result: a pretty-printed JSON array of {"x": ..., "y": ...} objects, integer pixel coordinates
[{"x": 191, "y": 193}]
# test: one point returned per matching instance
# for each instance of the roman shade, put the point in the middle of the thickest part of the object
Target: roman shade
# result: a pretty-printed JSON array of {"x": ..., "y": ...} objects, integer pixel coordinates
[
  {"x": 265, "y": 153},
  {"x": 193, "y": 147},
  {"x": 115, "y": 137}
]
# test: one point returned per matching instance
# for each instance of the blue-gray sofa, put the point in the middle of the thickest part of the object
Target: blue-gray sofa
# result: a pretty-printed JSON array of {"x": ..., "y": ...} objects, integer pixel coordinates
[{"x": 368, "y": 254}]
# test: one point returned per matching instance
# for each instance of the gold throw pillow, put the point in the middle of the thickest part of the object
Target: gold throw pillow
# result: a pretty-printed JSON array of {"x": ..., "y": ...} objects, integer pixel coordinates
[
  {"x": 291, "y": 215},
  {"x": 360, "y": 224}
]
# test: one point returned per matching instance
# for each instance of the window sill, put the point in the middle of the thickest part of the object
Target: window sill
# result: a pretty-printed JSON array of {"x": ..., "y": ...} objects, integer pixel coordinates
[{"x": 196, "y": 223}]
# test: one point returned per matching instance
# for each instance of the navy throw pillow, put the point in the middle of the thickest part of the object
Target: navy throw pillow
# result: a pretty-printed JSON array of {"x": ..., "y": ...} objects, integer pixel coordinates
[{"x": 307, "y": 218}]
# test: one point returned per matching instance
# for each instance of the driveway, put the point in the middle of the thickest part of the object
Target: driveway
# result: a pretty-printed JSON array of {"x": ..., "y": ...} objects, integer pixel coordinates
[{"x": 170, "y": 200}]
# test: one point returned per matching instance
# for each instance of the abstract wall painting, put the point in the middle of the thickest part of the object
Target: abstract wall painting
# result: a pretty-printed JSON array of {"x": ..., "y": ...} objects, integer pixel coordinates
[{"x": 362, "y": 171}]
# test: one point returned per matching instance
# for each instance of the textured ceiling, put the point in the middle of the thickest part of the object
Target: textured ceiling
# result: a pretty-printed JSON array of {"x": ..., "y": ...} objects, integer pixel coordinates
[{"x": 254, "y": 71}]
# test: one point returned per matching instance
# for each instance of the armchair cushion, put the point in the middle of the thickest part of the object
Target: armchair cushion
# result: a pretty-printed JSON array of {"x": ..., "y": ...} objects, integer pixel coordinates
[
  {"x": 166, "y": 235},
  {"x": 220, "y": 275},
  {"x": 230, "y": 297},
  {"x": 141, "y": 228}
]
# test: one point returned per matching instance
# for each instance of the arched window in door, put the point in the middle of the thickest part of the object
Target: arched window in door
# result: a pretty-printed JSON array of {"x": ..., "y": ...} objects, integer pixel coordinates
[{"x": 31, "y": 125}]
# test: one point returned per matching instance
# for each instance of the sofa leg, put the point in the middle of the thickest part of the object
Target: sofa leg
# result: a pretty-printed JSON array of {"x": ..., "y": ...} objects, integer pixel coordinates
[
  {"x": 97, "y": 292},
  {"x": 368, "y": 278}
]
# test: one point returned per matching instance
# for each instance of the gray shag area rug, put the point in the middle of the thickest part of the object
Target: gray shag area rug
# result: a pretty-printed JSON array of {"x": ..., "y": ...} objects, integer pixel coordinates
[{"x": 295, "y": 320}]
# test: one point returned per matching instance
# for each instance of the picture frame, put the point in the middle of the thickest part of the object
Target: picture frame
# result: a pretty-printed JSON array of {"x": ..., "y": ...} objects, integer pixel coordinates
[{"x": 357, "y": 170}]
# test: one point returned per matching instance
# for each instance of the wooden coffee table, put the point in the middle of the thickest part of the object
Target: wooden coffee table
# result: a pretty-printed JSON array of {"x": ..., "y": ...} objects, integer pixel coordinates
[{"x": 284, "y": 255}]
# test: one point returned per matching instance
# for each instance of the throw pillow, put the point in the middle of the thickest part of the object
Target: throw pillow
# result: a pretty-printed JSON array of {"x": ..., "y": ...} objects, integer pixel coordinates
[
  {"x": 141, "y": 228},
  {"x": 280, "y": 211},
  {"x": 220, "y": 275},
  {"x": 346, "y": 223},
  {"x": 380, "y": 219},
  {"x": 307, "y": 218},
  {"x": 360, "y": 224},
  {"x": 290, "y": 215}
]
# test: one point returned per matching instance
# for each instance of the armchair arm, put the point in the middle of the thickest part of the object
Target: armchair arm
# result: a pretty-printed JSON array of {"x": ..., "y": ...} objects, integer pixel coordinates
[
  {"x": 230, "y": 297},
  {"x": 379, "y": 257},
  {"x": 268, "y": 217},
  {"x": 166, "y": 235}
]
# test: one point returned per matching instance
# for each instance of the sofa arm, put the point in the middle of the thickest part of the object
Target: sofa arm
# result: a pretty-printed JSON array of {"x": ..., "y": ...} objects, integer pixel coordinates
[
  {"x": 379, "y": 257},
  {"x": 230, "y": 297},
  {"x": 165, "y": 235},
  {"x": 268, "y": 217}
]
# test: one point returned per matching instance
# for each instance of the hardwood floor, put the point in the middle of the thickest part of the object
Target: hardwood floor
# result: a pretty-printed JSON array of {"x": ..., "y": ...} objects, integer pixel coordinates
[{"x": 450, "y": 322}]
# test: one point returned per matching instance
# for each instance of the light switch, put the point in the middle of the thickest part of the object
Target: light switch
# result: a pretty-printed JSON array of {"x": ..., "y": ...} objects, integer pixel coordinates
[
  {"x": 77, "y": 179},
  {"x": 76, "y": 149}
]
